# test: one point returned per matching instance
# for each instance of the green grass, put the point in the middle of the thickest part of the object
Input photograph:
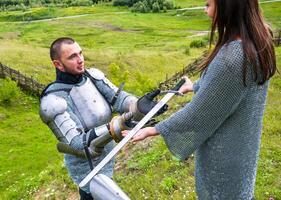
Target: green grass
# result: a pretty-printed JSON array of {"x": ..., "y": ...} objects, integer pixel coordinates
[
  {"x": 51, "y": 12},
  {"x": 148, "y": 47},
  {"x": 28, "y": 155},
  {"x": 188, "y": 3},
  {"x": 272, "y": 12}
]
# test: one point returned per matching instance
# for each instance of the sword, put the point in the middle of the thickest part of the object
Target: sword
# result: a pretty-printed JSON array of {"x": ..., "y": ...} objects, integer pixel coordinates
[{"x": 125, "y": 140}]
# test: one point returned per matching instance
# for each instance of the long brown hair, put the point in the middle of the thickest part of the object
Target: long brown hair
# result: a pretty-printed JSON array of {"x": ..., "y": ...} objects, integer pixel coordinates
[{"x": 243, "y": 19}]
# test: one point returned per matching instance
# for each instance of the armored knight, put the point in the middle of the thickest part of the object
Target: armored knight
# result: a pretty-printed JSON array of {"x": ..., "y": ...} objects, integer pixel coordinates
[
  {"x": 80, "y": 113},
  {"x": 78, "y": 109}
]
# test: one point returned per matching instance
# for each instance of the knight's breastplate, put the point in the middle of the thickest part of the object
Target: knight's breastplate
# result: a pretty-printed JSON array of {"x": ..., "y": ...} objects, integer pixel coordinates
[{"x": 91, "y": 107}]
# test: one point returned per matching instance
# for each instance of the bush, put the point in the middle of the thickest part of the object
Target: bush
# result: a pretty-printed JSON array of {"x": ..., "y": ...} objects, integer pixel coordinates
[
  {"x": 198, "y": 43},
  {"x": 81, "y": 3},
  {"x": 142, "y": 83},
  {"x": 141, "y": 6},
  {"x": 155, "y": 7},
  {"x": 121, "y": 3},
  {"x": 8, "y": 91},
  {"x": 145, "y": 6},
  {"x": 168, "y": 5},
  {"x": 118, "y": 74},
  {"x": 19, "y": 7}
]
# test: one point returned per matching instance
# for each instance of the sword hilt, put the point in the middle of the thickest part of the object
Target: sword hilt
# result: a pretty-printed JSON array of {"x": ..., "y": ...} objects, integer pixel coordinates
[{"x": 179, "y": 84}]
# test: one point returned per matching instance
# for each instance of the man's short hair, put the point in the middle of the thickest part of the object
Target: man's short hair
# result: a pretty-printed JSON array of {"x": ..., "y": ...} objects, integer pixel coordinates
[{"x": 55, "y": 49}]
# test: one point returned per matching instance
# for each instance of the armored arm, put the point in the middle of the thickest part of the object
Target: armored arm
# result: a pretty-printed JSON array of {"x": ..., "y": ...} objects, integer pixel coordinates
[
  {"x": 54, "y": 113},
  {"x": 68, "y": 129}
]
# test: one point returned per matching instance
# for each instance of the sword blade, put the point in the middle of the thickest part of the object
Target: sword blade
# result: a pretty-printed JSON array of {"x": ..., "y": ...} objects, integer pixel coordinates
[{"x": 125, "y": 140}]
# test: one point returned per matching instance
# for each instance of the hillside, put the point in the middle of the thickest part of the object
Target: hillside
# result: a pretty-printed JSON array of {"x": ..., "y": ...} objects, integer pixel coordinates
[{"x": 142, "y": 49}]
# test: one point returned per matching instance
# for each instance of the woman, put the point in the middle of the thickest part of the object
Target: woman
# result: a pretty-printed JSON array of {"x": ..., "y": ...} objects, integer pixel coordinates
[{"x": 223, "y": 122}]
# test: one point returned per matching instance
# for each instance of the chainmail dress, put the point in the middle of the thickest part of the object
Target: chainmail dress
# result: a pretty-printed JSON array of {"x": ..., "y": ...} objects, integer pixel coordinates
[{"x": 222, "y": 125}]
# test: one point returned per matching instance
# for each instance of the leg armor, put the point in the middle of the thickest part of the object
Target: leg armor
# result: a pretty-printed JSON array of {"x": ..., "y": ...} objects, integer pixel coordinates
[{"x": 104, "y": 188}]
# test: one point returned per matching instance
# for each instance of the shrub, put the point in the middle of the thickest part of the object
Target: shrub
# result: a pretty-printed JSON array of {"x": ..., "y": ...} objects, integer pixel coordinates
[
  {"x": 155, "y": 7},
  {"x": 198, "y": 43},
  {"x": 141, "y": 6},
  {"x": 168, "y": 5},
  {"x": 121, "y": 3},
  {"x": 81, "y": 3},
  {"x": 118, "y": 74},
  {"x": 145, "y": 6},
  {"x": 8, "y": 91}
]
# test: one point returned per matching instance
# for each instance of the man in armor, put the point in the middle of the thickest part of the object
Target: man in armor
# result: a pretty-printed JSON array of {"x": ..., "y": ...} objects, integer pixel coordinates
[{"x": 78, "y": 108}]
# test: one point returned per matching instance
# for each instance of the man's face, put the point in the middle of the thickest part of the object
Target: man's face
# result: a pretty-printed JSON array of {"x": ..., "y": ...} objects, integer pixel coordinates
[{"x": 71, "y": 59}]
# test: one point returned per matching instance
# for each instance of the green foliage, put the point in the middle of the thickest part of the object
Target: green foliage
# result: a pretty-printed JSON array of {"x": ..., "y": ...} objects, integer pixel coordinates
[
  {"x": 141, "y": 162},
  {"x": 117, "y": 74},
  {"x": 142, "y": 83},
  {"x": 155, "y": 7},
  {"x": 141, "y": 6},
  {"x": 145, "y": 6},
  {"x": 81, "y": 3},
  {"x": 168, "y": 184},
  {"x": 9, "y": 91},
  {"x": 198, "y": 43},
  {"x": 9, "y": 5}
]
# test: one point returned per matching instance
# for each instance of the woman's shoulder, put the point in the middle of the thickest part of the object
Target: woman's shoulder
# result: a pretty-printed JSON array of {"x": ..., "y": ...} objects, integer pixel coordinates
[
  {"x": 232, "y": 50},
  {"x": 232, "y": 55}
]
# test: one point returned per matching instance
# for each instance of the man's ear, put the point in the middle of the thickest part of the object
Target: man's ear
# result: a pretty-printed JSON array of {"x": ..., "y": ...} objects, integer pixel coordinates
[{"x": 58, "y": 65}]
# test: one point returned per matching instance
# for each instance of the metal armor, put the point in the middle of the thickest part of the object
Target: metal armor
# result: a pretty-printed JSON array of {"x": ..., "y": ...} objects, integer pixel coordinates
[
  {"x": 53, "y": 113},
  {"x": 91, "y": 105},
  {"x": 104, "y": 188}
]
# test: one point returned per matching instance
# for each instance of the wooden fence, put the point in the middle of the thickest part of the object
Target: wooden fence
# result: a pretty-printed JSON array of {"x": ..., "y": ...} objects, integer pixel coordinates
[
  {"x": 24, "y": 82},
  {"x": 189, "y": 70},
  {"x": 277, "y": 38}
]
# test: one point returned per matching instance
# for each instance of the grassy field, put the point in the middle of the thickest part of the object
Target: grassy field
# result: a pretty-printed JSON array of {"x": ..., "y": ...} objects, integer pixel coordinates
[
  {"x": 148, "y": 47},
  {"x": 155, "y": 44}
]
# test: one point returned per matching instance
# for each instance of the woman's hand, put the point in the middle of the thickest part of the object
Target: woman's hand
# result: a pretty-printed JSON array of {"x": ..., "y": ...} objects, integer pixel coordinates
[
  {"x": 142, "y": 134},
  {"x": 187, "y": 86}
]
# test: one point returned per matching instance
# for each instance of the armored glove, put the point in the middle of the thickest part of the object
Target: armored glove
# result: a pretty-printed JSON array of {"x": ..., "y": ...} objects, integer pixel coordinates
[
  {"x": 103, "y": 134},
  {"x": 145, "y": 104}
]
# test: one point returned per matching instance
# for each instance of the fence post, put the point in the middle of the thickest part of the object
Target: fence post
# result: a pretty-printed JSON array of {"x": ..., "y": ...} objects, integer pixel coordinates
[
  {"x": 32, "y": 84},
  {"x": 279, "y": 38},
  {"x": 19, "y": 77},
  {"x": 2, "y": 71},
  {"x": 10, "y": 70}
]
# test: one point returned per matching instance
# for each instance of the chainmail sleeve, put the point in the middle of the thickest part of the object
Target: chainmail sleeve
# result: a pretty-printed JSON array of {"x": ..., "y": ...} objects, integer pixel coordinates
[{"x": 220, "y": 92}]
